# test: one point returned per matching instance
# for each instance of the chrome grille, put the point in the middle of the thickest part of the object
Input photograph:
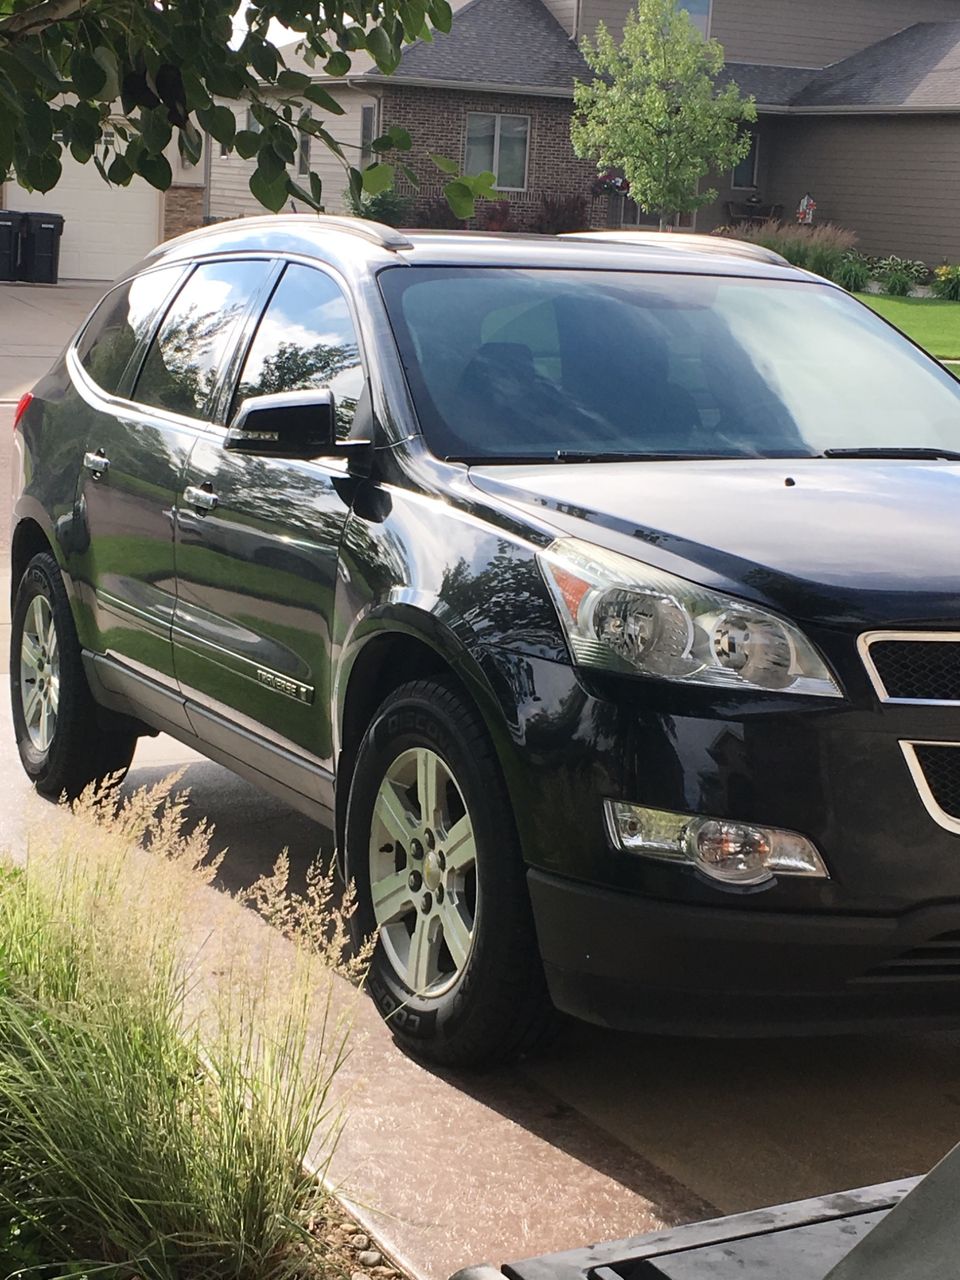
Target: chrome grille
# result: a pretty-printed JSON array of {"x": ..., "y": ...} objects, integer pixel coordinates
[{"x": 913, "y": 667}]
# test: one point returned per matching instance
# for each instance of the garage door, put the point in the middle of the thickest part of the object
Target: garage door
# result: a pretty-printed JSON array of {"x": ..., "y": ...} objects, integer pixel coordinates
[{"x": 107, "y": 229}]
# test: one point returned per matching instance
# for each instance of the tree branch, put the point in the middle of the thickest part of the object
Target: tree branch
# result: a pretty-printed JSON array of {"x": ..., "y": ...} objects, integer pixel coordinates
[{"x": 40, "y": 15}]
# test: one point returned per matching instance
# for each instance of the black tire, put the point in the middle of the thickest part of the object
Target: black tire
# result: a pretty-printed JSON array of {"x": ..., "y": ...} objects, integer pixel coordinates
[
  {"x": 497, "y": 1007},
  {"x": 80, "y": 750}
]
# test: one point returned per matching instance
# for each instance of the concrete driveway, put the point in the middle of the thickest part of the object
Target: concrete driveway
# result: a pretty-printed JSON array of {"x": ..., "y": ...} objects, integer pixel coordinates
[
  {"x": 35, "y": 322},
  {"x": 602, "y": 1135}
]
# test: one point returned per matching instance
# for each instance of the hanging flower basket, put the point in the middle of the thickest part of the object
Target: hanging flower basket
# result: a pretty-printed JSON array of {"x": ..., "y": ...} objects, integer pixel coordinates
[{"x": 610, "y": 183}]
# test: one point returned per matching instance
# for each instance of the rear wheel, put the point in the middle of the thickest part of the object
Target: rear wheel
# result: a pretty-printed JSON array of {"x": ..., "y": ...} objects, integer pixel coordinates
[
  {"x": 62, "y": 746},
  {"x": 432, "y": 848}
]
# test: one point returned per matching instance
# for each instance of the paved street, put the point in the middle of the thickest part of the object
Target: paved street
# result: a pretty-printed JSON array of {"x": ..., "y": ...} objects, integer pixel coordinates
[{"x": 612, "y": 1125}]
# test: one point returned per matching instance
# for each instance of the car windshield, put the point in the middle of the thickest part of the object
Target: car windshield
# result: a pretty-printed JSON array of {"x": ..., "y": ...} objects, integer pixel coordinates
[{"x": 515, "y": 363}]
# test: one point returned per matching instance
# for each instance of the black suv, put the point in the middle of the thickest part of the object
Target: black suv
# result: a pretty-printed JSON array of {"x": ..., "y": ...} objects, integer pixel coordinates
[{"x": 601, "y": 594}]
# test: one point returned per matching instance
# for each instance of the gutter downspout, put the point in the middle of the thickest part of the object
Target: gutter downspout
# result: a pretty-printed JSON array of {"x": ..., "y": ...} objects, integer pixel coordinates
[{"x": 207, "y": 175}]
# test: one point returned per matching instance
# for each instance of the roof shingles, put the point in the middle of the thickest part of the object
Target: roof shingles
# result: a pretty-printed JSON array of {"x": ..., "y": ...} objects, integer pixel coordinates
[
  {"x": 514, "y": 43},
  {"x": 917, "y": 67},
  {"x": 518, "y": 44}
]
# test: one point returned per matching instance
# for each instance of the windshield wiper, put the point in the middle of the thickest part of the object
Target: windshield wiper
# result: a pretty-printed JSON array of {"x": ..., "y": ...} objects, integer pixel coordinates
[{"x": 907, "y": 451}]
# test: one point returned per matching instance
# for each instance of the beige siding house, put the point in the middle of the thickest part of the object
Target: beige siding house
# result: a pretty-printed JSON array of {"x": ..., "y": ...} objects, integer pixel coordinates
[{"x": 230, "y": 195}]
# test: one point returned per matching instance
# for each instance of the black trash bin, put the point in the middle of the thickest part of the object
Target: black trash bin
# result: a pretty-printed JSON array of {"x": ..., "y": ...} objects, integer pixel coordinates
[
  {"x": 40, "y": 250},
  {"x": 11, "y": 226}
]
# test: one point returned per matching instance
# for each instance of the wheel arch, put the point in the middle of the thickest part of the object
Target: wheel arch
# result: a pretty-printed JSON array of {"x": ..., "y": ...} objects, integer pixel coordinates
[
  {"x": 406, "y": 644},
  {"x": 29, "y": 539}
]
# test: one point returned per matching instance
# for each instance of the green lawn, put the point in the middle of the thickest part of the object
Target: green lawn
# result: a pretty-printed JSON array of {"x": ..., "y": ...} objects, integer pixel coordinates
[{"x": 931, "y": 322}]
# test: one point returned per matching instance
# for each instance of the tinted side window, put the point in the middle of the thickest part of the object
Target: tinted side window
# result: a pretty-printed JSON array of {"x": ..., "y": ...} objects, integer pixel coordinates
[
  {"x": 120, "y": 323},
  {"x": 306, "y": 339},
  {"x": 186, "y": 357}
]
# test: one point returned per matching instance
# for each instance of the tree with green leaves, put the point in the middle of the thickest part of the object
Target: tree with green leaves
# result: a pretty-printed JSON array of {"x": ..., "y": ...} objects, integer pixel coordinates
[
  {"x": 656, "y": 110},
  {"x": 114, "y": 81}
]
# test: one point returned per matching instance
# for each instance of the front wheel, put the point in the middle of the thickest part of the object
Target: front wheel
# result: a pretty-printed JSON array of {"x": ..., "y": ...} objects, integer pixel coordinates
[
  {"x": 62, "y": 746},
  {"x": 432, "y": 848}
]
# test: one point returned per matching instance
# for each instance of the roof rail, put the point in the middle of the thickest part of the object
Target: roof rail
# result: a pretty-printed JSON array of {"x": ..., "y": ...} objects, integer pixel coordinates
[
  {"x": 682, "y": 239},
  {"x": 376, "y": 232}
]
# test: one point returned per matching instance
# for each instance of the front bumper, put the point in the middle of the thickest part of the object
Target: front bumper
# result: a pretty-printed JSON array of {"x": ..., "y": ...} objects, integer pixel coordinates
[{"x": 633, "y": 963}]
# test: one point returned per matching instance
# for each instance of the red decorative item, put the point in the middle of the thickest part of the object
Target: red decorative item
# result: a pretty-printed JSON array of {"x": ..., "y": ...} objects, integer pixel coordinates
[{"x": 805, "y": 210}]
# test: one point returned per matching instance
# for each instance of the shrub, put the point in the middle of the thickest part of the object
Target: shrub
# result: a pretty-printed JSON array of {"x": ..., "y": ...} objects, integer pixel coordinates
[
  {"x": 946, "y": 282},
  {"x": 558, "y": 214},
  {"x": 388, "y": 207},
  {"x": 496, "y": 215},
  {"x": 910, "y": 268},
  {"x": 435, "y": 214},
  {"x": 135, "y": 1140},
  {"x": 853, "y": 272}
]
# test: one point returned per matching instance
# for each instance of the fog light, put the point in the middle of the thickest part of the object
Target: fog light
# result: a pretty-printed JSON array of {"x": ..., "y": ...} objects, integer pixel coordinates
[{"x": 732, "y": 852}]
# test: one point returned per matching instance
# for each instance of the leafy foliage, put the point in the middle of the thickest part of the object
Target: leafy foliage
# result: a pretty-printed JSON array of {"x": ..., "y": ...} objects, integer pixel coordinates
[
  {"x": 495, "y": 215},
  {"x": 897, "y": 276},
  {"x": 558, "y": 214},
  {"x": 654, "y": 111},
  {"x": 435, "y": 214},
  {"x": 946, "y": 282},
  {"x": 388, "y": 207},
  {"x": 117, "y": 82},
  {"x": 854, "y": 272}
]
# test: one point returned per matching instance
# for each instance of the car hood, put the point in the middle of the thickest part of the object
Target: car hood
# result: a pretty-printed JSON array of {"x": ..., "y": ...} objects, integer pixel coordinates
[{"x": 835, "y": 540}]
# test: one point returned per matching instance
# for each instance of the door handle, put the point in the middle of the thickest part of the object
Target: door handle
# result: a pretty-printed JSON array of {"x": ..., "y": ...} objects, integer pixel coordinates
[
  {"x": 96, "y": 462},
  {"x": 201, "y": 498}
]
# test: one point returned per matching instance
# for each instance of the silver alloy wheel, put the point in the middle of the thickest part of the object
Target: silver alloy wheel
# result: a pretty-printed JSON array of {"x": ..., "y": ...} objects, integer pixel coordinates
[
  {"x": 40, "y": 673},
  {"x": 423, "y": 872}
]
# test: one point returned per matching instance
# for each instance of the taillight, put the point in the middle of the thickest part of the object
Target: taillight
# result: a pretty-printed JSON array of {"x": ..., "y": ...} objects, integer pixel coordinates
[{"x": 23, "y": 405}]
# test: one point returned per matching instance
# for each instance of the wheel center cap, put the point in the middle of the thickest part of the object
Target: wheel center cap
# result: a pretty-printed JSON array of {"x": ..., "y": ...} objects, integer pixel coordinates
[{"x": 431, "y": 870}]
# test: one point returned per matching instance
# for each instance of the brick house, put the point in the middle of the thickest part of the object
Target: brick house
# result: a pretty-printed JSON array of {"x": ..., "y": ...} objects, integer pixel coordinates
[{"x": 858, "y": 104}]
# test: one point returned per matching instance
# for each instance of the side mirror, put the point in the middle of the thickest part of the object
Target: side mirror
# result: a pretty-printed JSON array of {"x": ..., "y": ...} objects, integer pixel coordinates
[{"x": 287, "y": 424}]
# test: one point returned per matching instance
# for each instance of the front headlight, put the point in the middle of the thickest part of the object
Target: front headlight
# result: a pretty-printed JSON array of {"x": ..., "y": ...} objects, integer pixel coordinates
[{"x": 622, "y": 615}]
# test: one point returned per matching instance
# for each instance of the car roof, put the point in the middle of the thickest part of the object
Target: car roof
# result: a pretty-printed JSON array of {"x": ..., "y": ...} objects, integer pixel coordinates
[
  {"x": 359, "y": 246},
  {"x": 683, "y": 240}
]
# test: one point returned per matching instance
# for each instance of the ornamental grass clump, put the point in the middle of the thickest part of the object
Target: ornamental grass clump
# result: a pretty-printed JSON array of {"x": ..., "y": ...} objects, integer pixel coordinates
[
  {"x": 821, "y": 249},
  {"x": 152, "y": 1126}
]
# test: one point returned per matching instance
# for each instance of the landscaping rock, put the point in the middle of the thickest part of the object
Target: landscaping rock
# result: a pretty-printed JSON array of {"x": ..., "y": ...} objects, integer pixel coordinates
[{"x": 370, "y": 1258}]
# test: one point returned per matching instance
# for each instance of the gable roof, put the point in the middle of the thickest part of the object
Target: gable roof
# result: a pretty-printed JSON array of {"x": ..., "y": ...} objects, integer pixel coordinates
[
  {"x": 519, "y": 45},
  {"x": 513, "y": 44},
  {"x": 917, "y": 68}
]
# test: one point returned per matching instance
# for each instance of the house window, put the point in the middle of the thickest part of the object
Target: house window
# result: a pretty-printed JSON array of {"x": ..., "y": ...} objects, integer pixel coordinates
[
  {"x": 368, "y": 125},
  {"x": 745, "y": 174},
  {"x": 498, "y": 144},
  {"x": 699, "y": 11},
  {"x": 303, "y": 155}
]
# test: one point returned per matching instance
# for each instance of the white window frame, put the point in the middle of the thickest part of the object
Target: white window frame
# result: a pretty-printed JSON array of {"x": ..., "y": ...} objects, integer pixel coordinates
[
  {"x": 498, "y": 116},
  {"x": 303, "y": 153},
  {"x": 755, "y": 144},
  {"x": 368, "y": 112}
]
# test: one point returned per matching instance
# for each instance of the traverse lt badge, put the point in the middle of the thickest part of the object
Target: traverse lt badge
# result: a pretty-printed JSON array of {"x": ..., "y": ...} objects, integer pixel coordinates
[{"x": 282, "y": 684}]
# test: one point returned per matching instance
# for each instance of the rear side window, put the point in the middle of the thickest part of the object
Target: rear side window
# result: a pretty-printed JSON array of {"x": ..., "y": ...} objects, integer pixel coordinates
[
  {"x": 185, "y": 359},
  {"x": 120, "y": 324},
  {"x": 306, "y": 340}
]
